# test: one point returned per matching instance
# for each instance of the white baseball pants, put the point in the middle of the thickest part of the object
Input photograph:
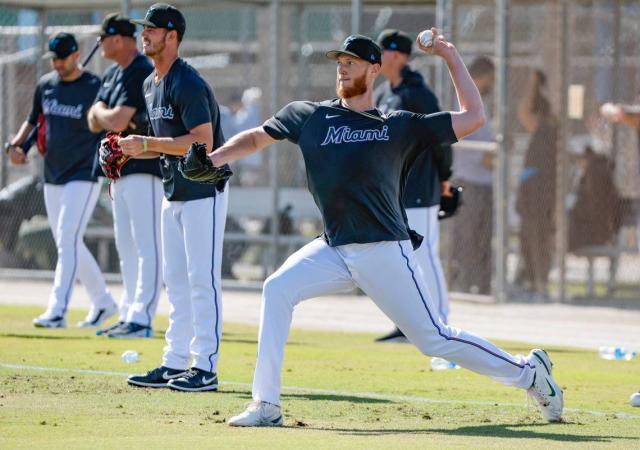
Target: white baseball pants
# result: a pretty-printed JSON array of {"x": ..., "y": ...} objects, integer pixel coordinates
[
  {"x": 387, "y": 273},
  {"x": 425, "y": 222},
  {"x": 69, "y": 207},
  {"x": 192, "y": 234},
  {"x": 137, "y": 201}
]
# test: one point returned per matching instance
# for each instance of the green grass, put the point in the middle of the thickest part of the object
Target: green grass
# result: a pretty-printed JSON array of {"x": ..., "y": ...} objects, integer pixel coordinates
[{"x": 351, "y": 396}]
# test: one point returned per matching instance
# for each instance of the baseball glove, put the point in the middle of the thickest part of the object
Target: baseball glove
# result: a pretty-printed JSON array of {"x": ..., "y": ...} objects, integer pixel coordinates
[
  {"x": 111, "y": 157},
  {"x": 196, "y": 166},
  {"x": 449, "y": 205}
]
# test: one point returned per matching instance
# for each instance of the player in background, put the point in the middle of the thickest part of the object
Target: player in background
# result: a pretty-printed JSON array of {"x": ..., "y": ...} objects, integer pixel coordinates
[
  {"x": 182, "y": 110},
  {"x": 472, "y": 228},
  {"x": 137, "y": 194},
  {"x": 406, "y": 90},
  {"x": 71, "y": 191},
  {"x": 628, "y": 115},
  {"x": 356, "y": 161}
]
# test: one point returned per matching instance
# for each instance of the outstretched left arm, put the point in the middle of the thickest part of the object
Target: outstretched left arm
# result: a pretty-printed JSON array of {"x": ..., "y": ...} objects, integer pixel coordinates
[{"x": 241, "y": 145}]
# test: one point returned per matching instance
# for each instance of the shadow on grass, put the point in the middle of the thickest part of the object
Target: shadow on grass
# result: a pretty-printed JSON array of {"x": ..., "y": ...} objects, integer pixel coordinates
[
  {"x": 42, "y": 336},
  {"x": 335, "y": 398},
  {"x": 507, "y": 431}
]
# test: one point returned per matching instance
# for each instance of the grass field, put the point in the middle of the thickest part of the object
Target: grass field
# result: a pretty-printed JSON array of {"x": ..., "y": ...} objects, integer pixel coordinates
[{"x": 66, "y": 389}]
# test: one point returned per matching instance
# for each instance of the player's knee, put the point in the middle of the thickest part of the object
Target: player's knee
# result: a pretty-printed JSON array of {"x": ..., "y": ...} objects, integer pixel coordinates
[
  {"x": 276, "y": 287},
  {"x": 66, "y": 242}
]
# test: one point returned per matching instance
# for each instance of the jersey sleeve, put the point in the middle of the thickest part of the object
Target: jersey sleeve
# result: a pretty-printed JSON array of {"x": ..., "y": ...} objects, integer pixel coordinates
[
  {"x": 432, "y": 129},
  {"x": 289, "y": 121},
  {"x": 425, "y": 102},
  {"x": 36, "y": 108},
  {"x": 192, "y": 99}
]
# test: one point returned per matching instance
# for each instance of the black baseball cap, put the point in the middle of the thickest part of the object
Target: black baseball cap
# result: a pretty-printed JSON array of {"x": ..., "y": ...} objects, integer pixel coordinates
[
  {"x": 115, "y": 24},
  {"x": 162, "y": 15},
  {"x": 395, "y": 40},
  {"x": 359, "y": 46},
  {"x": 61, "y": 46}
]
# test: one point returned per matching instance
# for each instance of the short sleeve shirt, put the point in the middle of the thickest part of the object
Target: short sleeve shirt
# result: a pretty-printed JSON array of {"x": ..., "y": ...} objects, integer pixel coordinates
[
  {"x": 181, "y": 101},
  {"x": 71, "y": 146},
  {"x": 357, "y": 163},
  {"x": 123, "y": 87},
  {"x": 412, "y": 94}
]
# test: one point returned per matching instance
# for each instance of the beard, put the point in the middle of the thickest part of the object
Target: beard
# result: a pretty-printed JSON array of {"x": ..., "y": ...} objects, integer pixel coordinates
[
  {"x": 155, "y": 50},
  {"x": 152, "y": 50},
  {"x": 359, "y": 87}
]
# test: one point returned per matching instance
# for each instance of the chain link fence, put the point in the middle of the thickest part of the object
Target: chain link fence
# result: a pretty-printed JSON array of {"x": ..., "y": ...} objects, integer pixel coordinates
[
  {"x": 551, "y": 187},
  {"x": 570, "y": 180}
]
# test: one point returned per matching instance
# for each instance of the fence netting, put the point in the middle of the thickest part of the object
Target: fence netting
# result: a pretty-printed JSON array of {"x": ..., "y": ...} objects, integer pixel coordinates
[{"x": 572, "y": 178}]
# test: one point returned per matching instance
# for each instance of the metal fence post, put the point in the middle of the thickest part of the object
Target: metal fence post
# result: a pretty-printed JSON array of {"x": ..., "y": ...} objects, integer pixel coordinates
[
  {"x": 562, "y": 171},
  {"x": 356, "y": 14},
  {"x": 273, "y": 160},
  {"x": 125, "y": 7},
  {"x": 501, "y": 190},
  {"x": 3, "y": 132}
]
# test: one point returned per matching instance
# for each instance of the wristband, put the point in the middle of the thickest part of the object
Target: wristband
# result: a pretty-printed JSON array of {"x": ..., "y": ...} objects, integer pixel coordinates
[{"x": 144, "y": 144}]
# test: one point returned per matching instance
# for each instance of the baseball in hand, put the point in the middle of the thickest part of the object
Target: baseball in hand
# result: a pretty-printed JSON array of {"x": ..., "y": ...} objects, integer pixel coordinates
[{"x": 426, "y": 38}]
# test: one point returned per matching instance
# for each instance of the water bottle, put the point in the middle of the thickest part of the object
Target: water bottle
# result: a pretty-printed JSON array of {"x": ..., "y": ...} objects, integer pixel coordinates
[
  {"x": 616, "y": 353},
  {"x": 130, "y": 356},
  {"x": 443, "y": 364}
]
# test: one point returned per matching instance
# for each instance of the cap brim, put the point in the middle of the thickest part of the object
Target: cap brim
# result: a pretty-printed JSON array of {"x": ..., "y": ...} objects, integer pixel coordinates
[
  {"x": 48, "y": 55},
  {"x": 334, "y": 54},
  {"x": 143, "y": 22}
]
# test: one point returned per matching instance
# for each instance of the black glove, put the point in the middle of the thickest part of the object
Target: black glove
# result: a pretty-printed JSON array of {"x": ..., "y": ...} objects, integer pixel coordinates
[
  {"x": 449, "y": 205},
  {"x": 196, "y": 166}
]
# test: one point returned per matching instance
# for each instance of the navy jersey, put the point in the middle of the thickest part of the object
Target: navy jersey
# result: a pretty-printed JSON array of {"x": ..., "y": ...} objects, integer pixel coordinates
[
  {"x": 357, "y": 163},
  {"x": 181, "y": 101},
  {"x": 71, "y": 146},
  {"x": 123, "y": 87},
  {"x": 413, "y": 95}
]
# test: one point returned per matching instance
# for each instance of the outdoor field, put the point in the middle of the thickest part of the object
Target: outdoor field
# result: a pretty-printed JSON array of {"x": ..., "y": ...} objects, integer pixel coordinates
[{"x": 67, "y": 389}]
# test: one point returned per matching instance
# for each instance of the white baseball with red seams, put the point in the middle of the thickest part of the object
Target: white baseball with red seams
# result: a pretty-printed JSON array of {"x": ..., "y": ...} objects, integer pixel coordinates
[{"x": 427, "y": 38}]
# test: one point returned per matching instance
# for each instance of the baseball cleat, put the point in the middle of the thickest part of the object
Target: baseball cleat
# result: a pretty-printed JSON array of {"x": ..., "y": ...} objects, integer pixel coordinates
[
  {"x": 195, "y": 380},
  {"x": 395, "y": 336},
  {"x": 258, "y": 414},
  {"x": 156, "y": 378},
  {"x": 97, "y": 316},
  {"x": 107, "y": 330},
  {"x": 131, "y": 330},
  {"x": 45, "y": 321},
  {"x": 544, "y": 388}
]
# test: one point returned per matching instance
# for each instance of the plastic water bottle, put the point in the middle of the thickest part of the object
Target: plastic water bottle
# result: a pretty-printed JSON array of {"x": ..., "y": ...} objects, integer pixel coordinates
[
  {"x": 130, "y": 356},
  {"x": 616, "y": 353},
  {"x": 443, "y": 364}
]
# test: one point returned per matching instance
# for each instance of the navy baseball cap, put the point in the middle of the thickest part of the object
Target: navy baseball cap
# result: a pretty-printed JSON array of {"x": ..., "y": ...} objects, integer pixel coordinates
[
  {"x": 115, "y": 24},
  {"x": 395, "y": 40},
  {"x": 61, "y": 46},
  {"x": 162, "y": 15},
  {"x": 359, "y": 46}
]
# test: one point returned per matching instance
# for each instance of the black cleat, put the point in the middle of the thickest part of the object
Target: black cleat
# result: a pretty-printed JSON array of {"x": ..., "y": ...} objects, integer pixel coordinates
[
  {"x": 195, "y": 380},
  {"x": 156, "y": 378},
  {"x": 395, "y": 336},
  {"x": 109, "y": 329}
]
